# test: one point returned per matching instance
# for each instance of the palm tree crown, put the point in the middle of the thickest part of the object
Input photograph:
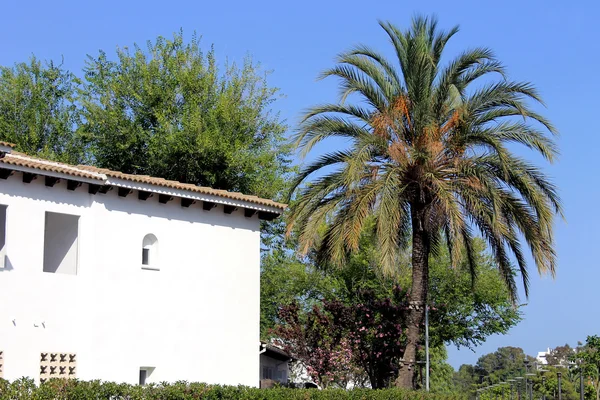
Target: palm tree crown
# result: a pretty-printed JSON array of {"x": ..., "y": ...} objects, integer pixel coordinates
[
  {"x": 429, "y": 159},
  {"x": 426, "y": 138}
]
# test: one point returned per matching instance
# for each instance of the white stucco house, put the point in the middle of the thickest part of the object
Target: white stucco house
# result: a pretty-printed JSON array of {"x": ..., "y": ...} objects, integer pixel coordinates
[
  {"x": 541, "y": 358},
  {"x": 126, "y": 278}
]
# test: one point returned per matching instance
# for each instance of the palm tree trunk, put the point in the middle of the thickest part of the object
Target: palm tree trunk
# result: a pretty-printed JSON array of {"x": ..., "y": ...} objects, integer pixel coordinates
[{"x": 417, "y": 297}]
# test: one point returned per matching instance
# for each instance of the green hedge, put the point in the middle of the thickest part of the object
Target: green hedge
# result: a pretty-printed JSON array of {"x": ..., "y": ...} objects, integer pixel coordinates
[{"x": 96, "y": 390}]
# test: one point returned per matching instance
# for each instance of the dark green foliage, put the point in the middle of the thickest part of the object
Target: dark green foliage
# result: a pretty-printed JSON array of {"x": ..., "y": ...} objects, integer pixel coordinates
[
  {"x": 284, "y": 279},
  {"x": 493, "y": 368},
  {"x": 440, "y": 374},
  {"x": 38, "y": 112},
  {"x": 508, "y": 363},
  {"x": 465, "y": 314},
  {"x": 465, "y": 379},
  {"x": 503, "y": 364},
  {"x": 96, "y": 390},
  {"x": 589, "y": 357},
  {"x": 169, "y": 111},
  {"x": 544, "y": 383}
]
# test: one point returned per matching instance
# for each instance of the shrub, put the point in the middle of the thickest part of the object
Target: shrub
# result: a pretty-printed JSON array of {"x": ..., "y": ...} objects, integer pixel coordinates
[{"x": 55, "y": 389}]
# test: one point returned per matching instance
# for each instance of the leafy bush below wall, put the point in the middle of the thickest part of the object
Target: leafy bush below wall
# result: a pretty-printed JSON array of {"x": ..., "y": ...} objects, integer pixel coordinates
[{"x": 96, "y": 390}]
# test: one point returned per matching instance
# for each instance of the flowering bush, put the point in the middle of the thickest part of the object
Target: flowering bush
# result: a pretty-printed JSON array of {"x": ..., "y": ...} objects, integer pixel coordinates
[
  {"x": 318, "y": 343},
  {"x": 341, "y": 343}
]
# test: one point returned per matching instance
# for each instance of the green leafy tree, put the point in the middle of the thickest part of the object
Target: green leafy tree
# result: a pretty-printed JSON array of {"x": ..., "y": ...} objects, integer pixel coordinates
[
  {"x": 465, "y": 314},
  {"x": 560, "y": 355},
  {"x": 441, "y": 374},
  {"x": 429, "y": 158},
  {"x": 38, "y": 111},
  {"x": 501, "y": 365},
  {"x": 466, "y": 379},
  {"x": 546, "y": 383},
  {"x": 285, "y": 279},
  {"x": 492, "y": 372},
  {"x": 171, "y": 112},
  {"x": 589, "y": 355}
]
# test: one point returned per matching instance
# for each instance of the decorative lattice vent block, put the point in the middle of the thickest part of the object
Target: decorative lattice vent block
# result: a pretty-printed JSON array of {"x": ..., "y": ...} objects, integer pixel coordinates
[{"x": 58, "y": 365}]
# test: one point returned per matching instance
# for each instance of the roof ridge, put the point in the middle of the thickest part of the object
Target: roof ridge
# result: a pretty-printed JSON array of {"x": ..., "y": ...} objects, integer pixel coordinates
[{"x": 24, "y": 156}]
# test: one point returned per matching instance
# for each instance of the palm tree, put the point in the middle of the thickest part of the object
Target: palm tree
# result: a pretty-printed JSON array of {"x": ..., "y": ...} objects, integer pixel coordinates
[{"x": 429, "y": 159}]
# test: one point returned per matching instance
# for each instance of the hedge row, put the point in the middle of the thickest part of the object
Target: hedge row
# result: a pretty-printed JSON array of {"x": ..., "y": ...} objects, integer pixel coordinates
[{"x": 96, "y": 390}]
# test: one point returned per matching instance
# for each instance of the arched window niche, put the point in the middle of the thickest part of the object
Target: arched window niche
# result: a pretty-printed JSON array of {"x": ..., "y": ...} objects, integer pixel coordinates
[{"x": 150, "y": 252}]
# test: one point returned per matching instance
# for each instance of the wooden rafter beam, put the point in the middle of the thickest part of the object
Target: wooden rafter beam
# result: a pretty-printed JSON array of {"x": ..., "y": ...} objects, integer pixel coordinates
[
  {"x": 267, "y": 216},
  {"x": 28, "y": 177},
  {"x": 227, "y": 209},
  {"x": 187, "y": 202},
  {"x": 142, "y": 195},
  {"x": 50, "y": 181},
  {"x": 5, "y": 173},
  {"x": 208, "y": 205},
  {"x": 164, "y": 198},
  {"x": 124, "y": 192},
  {"x": 72, "y": 185},
  {"x": 93, "y": 189}
]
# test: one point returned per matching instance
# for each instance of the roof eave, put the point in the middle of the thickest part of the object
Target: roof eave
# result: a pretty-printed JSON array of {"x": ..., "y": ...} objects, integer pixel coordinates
[{"x": 181, "y": 193}]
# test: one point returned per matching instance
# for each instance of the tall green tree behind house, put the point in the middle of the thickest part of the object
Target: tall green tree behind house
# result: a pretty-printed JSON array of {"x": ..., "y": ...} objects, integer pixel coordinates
[
  {"x": 38, "y": 110},
  {"x": 285, "y": 279},
  {"x": 429, "y": 157},
  {"x": 170, "y": 111}
]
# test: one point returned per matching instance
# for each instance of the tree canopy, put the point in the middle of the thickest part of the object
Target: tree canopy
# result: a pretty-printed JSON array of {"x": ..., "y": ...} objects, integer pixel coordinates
[
  {"x": 169, "y": 110},
  {"x": 39, "y": 112}
]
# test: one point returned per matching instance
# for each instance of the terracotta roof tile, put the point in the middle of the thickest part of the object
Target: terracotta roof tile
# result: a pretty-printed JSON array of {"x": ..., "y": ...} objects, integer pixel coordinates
[
  {"x": 22, "y": 160},
  {"x": 101, "y": 174}
]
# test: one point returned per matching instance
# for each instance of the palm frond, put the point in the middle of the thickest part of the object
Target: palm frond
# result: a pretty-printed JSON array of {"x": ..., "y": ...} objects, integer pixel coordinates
[{"x": 428, "y": 144}]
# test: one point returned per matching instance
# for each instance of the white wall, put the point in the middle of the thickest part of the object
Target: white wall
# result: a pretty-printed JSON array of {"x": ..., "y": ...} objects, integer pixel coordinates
[
  {"x": 195, "y": 319},
  {"x": 2, "y": 235}
]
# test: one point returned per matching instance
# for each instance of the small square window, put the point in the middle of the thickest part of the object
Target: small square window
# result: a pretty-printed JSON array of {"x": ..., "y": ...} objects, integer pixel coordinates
[{"x": 145, "y": 256}]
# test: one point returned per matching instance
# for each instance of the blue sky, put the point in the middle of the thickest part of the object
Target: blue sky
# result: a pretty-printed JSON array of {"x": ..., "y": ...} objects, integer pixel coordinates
[{"x": 551, "y": 43}]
